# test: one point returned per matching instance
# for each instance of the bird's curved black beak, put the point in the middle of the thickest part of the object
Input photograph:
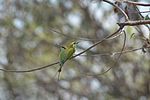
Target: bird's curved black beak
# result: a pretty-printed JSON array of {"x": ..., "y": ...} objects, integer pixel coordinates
[{"x": 77, "y": 42}]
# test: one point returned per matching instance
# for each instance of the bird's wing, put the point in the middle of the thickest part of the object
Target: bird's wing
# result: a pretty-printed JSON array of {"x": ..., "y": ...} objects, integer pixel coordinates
[
  {"x": 70, "y": 52},
  {"x": 63, "y": 57}
]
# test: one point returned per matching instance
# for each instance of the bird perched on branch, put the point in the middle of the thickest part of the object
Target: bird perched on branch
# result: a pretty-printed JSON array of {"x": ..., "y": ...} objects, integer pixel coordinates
[{"x": 66, "y": 53}]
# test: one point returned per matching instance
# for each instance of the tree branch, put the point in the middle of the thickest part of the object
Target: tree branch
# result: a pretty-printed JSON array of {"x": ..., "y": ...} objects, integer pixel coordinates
[
  {"x": 115, "y": 53},
  {"x": 134, "y": 23},
  {"x": 30, "y": 70}
]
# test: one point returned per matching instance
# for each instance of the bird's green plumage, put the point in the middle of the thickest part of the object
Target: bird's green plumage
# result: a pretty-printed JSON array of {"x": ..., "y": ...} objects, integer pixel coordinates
[{"x": 62, "y": 56}]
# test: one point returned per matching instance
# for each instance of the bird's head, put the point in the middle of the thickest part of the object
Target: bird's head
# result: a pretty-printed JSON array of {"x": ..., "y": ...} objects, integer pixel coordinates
[
  {"x": 73, "y": 44},
  {"x": 62, "y": 48}
]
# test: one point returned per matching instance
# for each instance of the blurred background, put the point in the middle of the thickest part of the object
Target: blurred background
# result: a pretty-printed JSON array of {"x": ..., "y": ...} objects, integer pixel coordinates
[{"x": 30, "y": 32}]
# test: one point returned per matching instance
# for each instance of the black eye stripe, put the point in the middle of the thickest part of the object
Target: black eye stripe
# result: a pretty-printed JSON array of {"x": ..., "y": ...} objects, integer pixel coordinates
[{"x": 63, "y": 47}]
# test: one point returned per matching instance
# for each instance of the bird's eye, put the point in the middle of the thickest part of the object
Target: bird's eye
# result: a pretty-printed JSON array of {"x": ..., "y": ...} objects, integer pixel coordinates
[{"x": 63, "y": 47}]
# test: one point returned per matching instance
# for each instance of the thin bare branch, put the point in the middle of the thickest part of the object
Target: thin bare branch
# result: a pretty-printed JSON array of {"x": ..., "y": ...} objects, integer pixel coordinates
[
  {"x": 29, "y": 70},
  {"x": 115, "y": 53},
  {"x": 134, "y": 23},
  {"x": 141, "y": 11}
]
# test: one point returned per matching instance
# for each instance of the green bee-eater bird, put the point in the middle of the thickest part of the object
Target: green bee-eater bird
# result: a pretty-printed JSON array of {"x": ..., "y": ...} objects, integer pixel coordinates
[{"x": 65, "y": 54}]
